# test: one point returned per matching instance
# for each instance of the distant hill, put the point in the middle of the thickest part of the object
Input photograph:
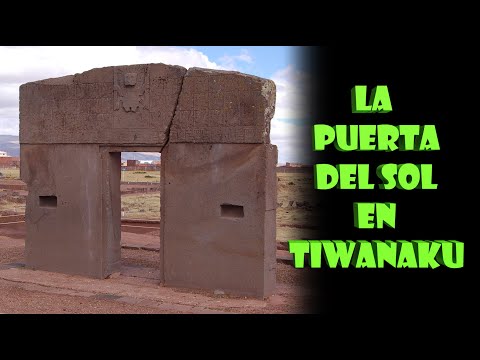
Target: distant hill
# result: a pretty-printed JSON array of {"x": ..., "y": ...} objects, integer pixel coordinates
[
  {"x": 140, "y": 156},
  {"x": 9, "y": 143}
]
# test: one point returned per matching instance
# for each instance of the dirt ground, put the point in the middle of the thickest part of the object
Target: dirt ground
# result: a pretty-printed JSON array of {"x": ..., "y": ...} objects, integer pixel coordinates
[{"x": 135, "y": 290}]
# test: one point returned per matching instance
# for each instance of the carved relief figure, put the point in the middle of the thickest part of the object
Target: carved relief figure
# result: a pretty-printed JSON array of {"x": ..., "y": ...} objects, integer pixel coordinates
[{"x": 131, "y": 97}]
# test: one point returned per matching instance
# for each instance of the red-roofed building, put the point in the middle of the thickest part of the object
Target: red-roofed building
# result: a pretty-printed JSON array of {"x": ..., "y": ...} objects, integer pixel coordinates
[{"x": 9, "y": 161}]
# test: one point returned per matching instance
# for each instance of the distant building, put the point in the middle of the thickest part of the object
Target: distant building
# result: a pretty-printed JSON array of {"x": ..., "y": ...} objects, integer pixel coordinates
[
  {"x": 9, "y": 162},
  {"x": 3, "y": 154},
  {"x": 132, "y": 162},
  {"x": 291, "y": 164},
  {"x": 137, "y": 165},
  {"x": 290, "y": 167}
]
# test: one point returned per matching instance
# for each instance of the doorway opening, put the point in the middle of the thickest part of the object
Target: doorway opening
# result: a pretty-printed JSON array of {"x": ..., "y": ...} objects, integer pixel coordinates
[{"x": 140, "y": 213}]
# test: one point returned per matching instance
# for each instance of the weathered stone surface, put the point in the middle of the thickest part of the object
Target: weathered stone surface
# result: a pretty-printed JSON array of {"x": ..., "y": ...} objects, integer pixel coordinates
[
  {"x": 64, "y": 208},
  {"x": 218, "y": 183},
  {"x": 217, "y": 223},
  {"x": 115, "y": 105},
  {"x": 223, "y": 107}
]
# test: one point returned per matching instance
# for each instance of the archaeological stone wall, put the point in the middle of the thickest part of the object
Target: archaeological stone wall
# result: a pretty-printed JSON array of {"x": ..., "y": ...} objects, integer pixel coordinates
[{"x": 218, "y": 181}]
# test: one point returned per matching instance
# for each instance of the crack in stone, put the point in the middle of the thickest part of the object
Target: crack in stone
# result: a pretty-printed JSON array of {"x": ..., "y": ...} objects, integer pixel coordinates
[
  {"x": 167, "y": 131},
  {"x": 220, "y": 164}
]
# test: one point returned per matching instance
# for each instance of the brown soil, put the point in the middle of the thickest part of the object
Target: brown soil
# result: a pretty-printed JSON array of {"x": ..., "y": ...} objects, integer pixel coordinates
[
  {"x": 14, "y": 300},
  {"x": 22, "y": 295}
]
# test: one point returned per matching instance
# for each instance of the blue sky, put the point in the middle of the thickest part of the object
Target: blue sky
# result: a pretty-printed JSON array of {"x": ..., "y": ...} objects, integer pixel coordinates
[
  {"x": 282, "y": 64},
  {"x": 266, "y": 60}
]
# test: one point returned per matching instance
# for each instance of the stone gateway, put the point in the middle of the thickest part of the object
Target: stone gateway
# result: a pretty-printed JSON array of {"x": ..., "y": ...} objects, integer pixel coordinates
[{"x": 218, "y": 179}]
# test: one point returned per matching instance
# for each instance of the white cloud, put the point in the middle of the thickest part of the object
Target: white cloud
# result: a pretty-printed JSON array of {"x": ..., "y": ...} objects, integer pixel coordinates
[
  {"x": 288, "y": 131},
  {"x": 232, "y": 62},
  {"x": 175, "y": 56},
  {"x": 8, "y": 126},
  {"x": 23, "y": 64},
  {"x": 292, "y": 90},
  {"x": 293, "y": 141},
  {"x": 19, "y": 65},
  {"x": 9, "y": 119},
  {"x": 156, "y": 154}
]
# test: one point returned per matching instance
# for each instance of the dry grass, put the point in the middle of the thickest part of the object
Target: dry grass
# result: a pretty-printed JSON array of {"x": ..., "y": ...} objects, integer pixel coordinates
[
  {"x": 11, "y": 202},
  {"x": 10, "y": 173},
  {"x": 141, "y": 206},
  {"x": 296, "y": 212},
  {"x": 127, "y": 176},
  {"x": 140, "y": 176}
]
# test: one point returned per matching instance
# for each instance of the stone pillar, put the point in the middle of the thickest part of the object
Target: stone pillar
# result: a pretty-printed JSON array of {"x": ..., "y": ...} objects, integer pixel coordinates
[
  {"x": 219, "y": 186},
  {"x": 218, "y": 217},
  {"x": 64, "y": 208}
]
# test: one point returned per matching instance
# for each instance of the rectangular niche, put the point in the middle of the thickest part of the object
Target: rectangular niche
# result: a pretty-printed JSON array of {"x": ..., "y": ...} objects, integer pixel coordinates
[
  {"x": 231, "y": 211},
  {"x": 47, "y": 201}
]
